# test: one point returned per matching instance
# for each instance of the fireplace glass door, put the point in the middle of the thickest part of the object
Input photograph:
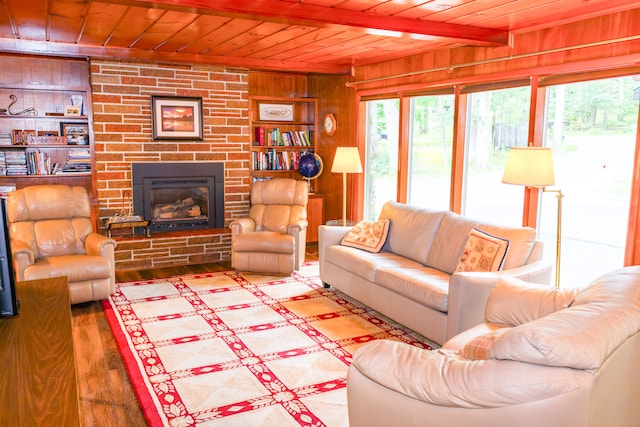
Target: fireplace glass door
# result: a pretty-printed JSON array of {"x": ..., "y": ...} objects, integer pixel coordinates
[{"x": 179, "y": 203}]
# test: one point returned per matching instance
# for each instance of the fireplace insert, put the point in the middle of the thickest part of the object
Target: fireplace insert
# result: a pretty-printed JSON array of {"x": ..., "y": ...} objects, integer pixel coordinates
[{"x": 179, "y": 196}]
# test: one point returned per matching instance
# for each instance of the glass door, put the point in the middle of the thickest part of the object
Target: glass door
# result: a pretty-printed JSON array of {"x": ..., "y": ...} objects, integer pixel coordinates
[{"x": 591, "y": 127}]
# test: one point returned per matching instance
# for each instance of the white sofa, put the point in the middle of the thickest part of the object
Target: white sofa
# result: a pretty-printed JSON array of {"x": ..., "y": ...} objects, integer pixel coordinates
[
  {"x": 412, "y": 281},
  {"x": 533, "y": 363}
]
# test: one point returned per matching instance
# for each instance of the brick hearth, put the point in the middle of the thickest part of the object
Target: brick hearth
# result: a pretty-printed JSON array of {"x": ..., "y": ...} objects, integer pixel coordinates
[{"x": 172, "y": 248}]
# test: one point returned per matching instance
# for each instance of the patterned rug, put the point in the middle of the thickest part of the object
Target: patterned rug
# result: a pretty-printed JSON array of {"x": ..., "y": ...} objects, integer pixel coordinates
[{"x": 231, "y": 349}]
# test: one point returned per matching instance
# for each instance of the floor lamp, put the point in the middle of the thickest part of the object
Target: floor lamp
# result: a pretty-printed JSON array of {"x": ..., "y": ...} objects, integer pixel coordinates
[
  {"x": 346, "y": 160},
  {"x": 533, "y": 167}
]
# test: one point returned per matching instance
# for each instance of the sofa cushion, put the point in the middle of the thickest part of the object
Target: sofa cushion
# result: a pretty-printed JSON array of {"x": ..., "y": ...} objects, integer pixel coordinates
[
  {"x": 451, "y": 238},
  {"x": 366, "y": 264},
  {"x": 618, "y": 286},
  {"x": 513, "y": 301},
  {"x": 521, "y": 241},
  {"x": 579, "y": 337},
  {"x": 412, "y": 229},
  {"x": 482, "y": 252},
  {"x": 368, "y": 236},
  {"x": 450, "y": 382},
  {"x": 427, "y": 286}
]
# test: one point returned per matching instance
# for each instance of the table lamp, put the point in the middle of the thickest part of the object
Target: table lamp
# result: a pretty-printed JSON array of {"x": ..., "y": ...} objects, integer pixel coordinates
[
  {"x": 533, "y": 167},
  {"x": 346, "y": 160}
]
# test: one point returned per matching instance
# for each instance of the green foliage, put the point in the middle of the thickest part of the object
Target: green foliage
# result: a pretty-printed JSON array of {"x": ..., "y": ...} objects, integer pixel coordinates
[{"x": 597, "y": 107}]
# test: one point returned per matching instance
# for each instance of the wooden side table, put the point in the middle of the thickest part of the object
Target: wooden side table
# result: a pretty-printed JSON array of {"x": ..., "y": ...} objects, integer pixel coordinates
[{"x": 38, "y": 385}]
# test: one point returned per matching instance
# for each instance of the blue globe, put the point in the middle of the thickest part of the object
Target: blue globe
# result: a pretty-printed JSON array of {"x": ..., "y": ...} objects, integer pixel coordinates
[{"x": 310, "y": 165}]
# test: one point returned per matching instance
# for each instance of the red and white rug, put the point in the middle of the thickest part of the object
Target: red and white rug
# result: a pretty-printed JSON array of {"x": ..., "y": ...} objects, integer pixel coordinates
[{"x": 231, "y": 349}]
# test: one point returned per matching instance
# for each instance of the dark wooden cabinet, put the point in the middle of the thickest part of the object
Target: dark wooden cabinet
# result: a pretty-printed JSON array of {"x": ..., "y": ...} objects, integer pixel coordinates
[{"x": 38, "y": 381}]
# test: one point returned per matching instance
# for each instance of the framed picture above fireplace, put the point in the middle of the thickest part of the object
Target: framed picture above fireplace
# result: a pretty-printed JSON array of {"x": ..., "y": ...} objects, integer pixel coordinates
[{"x": 176, "y": 117}]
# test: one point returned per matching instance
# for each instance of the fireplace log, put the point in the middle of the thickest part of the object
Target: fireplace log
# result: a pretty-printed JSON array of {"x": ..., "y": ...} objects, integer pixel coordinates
[
  {"x": 184, "y": 212},
  {"x": 177, "y": 206}
]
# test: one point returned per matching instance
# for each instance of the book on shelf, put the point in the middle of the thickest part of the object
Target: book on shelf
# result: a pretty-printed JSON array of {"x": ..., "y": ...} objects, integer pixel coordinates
[
  {"x": 277, "y": 138},
  {"x": 273, "y": 160},
  {"x": 259, "y": 134},
  {"x": 5, "y": 138}
]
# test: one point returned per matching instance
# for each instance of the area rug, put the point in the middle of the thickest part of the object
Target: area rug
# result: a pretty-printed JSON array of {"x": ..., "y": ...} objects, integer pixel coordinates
[{"x": 231, "y": 349}]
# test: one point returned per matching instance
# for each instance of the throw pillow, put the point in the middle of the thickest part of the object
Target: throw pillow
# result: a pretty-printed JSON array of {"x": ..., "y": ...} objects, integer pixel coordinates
[
  {"x": 368, "y": 236},
  {"x": 482, "y": 252},
  {"x": 478, "y": 347}
]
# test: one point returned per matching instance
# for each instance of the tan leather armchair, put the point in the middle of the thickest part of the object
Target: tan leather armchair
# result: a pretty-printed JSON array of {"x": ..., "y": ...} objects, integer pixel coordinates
[
  {"x": 52, "y": 235},
  {"x": 273, "y": 238}
]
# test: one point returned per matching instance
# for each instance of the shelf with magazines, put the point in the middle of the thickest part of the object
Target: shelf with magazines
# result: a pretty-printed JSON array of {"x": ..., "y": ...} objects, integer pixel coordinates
[{"x": 282, "y": 131}]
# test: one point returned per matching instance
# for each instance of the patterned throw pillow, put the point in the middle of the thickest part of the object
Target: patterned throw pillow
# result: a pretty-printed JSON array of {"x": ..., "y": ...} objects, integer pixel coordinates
[
  {"x": 368, "y": 236},
  {"x": 478, "y": 348},
  {"x": 483, "y": 252}
]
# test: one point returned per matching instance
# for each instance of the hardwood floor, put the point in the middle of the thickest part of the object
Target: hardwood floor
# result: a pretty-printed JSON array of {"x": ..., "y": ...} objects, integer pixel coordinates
[{"x": 106, "y": 397}]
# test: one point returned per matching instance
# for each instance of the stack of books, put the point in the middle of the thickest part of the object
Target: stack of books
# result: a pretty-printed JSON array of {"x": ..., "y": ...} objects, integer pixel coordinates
[
  {"x": 5, "y": 138},
  {"x": 78, "y": 161},
  {"x": 16, "y": 161}
]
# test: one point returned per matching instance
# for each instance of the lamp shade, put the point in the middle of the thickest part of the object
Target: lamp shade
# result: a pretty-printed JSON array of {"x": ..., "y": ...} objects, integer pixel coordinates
[
  {"x": 347, "y": 160},
  {"x": 530, "y": 166}
]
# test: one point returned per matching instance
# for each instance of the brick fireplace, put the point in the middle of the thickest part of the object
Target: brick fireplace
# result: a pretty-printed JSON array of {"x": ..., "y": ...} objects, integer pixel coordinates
[{"x": 123, "y": 136}]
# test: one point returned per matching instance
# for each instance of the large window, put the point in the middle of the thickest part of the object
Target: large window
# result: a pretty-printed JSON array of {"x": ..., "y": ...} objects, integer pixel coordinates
[
  {"x": 496, "y": 120},
  {"x": 430, "y": 140},
  {"x": 591, "y": 127},
  {"x": 381, "y": 172}
]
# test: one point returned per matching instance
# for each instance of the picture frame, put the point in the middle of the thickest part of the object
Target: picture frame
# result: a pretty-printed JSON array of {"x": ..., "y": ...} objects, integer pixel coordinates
[
  {"x": 275, "y": 112},
  {"x": 72, "y": 110},
  {"x": 176, "y": 117},
  {"x": 76, "y": 133}
]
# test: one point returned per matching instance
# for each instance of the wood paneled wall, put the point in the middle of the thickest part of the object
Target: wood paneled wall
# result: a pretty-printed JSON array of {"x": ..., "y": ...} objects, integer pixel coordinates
[
  {"x": 610, "y": 41},
  {"x": 333, "y": 97}
]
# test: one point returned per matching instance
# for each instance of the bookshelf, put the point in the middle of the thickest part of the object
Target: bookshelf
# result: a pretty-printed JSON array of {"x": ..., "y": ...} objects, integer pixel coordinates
[
  {"x": 282, "y": 130},
  {"x": 46, "y": 134}
]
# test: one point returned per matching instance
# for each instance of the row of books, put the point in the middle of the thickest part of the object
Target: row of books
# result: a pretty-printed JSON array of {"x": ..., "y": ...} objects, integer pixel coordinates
[
  {"x": 275, "y": 137},
  {"x": 276, "y": 160},
  {"x": 21, "y": 162}
]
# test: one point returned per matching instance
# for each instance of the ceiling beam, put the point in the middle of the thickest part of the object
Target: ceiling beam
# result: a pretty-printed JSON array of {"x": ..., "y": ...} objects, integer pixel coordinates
[
  {"x": 132, "y": 54},
  {"x": 326, "y": 17}
]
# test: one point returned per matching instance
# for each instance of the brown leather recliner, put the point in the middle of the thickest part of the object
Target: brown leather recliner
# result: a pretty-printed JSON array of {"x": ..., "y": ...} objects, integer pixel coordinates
[
  {"x": 273, "y": 238},
  {"x": 52, "y": 235}
]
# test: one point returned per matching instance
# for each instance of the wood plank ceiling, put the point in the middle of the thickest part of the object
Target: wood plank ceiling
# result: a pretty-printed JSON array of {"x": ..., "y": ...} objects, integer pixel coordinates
[{"x": 326, "y": 36}]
